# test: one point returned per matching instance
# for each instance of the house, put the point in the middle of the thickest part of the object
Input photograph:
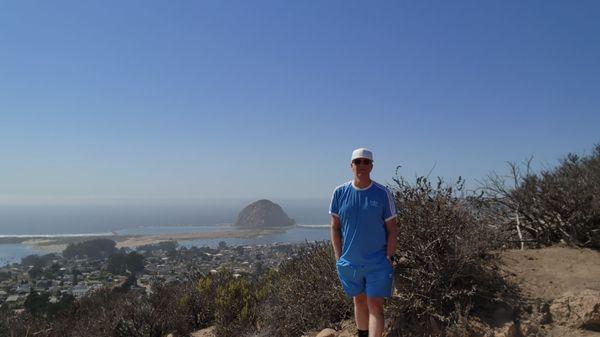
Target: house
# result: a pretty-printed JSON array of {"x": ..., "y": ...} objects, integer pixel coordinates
[
  {"x": 43, "y": 284},
  {"x": 23, "y": 288},
  {"x": 79, "y": 290},
  {"x": 12, "y": 299}
]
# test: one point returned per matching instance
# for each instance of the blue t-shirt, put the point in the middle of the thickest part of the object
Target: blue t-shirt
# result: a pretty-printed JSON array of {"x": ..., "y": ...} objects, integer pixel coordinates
[{"x": 362, "y": 214}]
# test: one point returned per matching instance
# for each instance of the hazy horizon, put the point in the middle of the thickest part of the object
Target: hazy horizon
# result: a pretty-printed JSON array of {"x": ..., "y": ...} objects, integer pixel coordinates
[{"x": 103, "y": 218}]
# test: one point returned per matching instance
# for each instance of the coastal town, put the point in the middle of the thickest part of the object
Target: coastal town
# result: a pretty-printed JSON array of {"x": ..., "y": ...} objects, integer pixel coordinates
[
  {"x": 137, "y": 263},
  {"x": 63, "y": 277}
]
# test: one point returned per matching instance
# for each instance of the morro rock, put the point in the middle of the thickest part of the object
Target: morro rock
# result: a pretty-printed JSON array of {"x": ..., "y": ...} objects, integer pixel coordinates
[{"x": 263, "y": 213}]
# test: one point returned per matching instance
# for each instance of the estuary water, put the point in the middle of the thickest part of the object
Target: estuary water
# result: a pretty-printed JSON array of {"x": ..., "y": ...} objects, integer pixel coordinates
[{"x": 147, "y": 219}]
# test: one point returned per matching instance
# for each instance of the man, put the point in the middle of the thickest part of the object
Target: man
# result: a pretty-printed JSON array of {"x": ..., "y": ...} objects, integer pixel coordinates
[{"x": 363, "y": 234}]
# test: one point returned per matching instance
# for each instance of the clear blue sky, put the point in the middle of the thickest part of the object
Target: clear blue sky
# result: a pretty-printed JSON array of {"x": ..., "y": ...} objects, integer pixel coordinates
[{"x": 111, "y": 100}]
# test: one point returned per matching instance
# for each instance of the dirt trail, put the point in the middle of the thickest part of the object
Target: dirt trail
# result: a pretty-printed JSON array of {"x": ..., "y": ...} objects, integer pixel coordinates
[{"x": 548, "y": 273}]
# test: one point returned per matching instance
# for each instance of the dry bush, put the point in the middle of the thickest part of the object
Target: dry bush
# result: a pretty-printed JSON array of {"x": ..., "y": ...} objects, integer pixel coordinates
[
  {"x": 304, "y": 294},
  {"x": 177, "y": 309},
  {"x": 21, "y": 325},
  {"x": 553, "y": 205},
  {"x": 447, "y": 270},
  {"x": 107, "y": 313},
  {"x": 95, "y": 315},
  {"x": 154, "y": 315}
]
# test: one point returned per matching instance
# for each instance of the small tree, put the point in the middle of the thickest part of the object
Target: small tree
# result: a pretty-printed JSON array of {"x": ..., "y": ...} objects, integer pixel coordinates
[
  {"x": 36, "y": 304},
  {"x": 116, "y": 264},
  {"x": 135, "y": 262},
  {"x": 35, "y": 272}
]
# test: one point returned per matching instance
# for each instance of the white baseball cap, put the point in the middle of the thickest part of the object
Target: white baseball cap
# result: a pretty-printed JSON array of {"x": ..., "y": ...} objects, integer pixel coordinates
[{"x": 362, "y": 153}]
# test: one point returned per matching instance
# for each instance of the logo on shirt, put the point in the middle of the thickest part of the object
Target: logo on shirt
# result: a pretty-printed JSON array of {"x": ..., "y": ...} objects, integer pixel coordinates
[{"x": 374, "y": 203}]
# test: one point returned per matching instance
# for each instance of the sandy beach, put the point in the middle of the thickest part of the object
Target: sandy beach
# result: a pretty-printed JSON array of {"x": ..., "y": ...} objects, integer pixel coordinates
[
  {"x": 58, "y": 244},
  {"x": 136, "y": 241}
]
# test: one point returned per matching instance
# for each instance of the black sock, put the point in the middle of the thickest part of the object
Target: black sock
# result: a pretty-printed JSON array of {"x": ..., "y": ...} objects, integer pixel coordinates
[{"x": 363, "y": 333}]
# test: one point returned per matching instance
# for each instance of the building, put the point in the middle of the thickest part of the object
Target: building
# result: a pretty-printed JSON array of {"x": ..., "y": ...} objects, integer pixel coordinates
[{"x": 79, "y": 290}]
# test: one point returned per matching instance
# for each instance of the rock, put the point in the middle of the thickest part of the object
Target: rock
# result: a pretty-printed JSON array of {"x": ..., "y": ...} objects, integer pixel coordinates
[
  {"x": 561, "y": 331},
  {"x": 577, "y": 309},
  {"x": 529, "y": 328},
  {"x": 327, "y": 333},
  {"x": 475, "y": 325},
  {"x": 208, "y": 332},
  {"x": 347, "y": 329},
  {"x": 263, "y": 213},
  {"x": 509, "y": 329}
]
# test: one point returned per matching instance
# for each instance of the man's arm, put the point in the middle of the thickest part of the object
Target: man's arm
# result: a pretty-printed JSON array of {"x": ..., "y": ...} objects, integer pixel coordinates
[
  {"x": 336, "y": 236},
  {"x": 392, "y": 236}
]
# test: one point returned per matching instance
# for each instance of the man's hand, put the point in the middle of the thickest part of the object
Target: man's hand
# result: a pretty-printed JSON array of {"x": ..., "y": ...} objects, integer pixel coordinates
[
  {"x": 336, "y": 236},
  {"x": 392, "y": 239}
]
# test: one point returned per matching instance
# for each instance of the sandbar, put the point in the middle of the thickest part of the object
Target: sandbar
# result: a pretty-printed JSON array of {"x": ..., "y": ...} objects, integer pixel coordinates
[{"x": 58, "y": 243}]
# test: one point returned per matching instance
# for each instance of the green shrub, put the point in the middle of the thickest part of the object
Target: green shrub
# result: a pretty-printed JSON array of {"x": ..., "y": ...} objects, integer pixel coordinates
[
  {"x": 222, "y": 300},
  {"x": 235, "y": 306},
  {"x": 204, "y": 298}
]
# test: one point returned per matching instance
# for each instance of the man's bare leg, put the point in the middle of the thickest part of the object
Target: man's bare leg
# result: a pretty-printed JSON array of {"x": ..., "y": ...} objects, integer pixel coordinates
[
  {"x": 375, "y": 307},
  {"x": 361, "y": 312}
]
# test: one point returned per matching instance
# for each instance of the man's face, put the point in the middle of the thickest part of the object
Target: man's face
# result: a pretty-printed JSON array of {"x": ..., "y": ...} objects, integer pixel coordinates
[{"x": 361, "y": 167}]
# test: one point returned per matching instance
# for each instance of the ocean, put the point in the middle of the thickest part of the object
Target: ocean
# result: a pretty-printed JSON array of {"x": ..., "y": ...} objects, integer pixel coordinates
[{"x": 151, "y": 218}]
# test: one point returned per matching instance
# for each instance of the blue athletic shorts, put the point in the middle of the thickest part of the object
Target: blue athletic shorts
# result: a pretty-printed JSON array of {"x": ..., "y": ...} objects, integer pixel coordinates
[{"x": 374, "y": 280}]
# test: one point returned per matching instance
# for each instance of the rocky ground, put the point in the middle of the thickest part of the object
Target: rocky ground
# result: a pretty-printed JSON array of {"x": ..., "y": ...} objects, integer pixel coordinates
[
  {"x": 561, "y": 295},
  {"x": 550, "y": 272},
  {"x": 561, "y": 290},
  {"x": 563, "y": 287}
]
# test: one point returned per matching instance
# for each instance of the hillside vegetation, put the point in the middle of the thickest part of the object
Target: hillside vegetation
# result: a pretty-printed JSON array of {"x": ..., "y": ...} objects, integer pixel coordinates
[{"x": 450, "y": 276}]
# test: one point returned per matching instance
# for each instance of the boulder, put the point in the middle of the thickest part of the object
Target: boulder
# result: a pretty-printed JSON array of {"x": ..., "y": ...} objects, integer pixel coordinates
[
  {"x": 208, "y": 332},
  {"x": 327, "y": 333},
  {"x": 509, "y": 329},
  {"x": 263, "y": 213},
  {"x": 577, "y": 309}
]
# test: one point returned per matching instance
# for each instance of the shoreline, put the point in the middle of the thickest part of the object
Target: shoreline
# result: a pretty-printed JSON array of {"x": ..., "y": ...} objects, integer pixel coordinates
[
  {"x": 59, "y": 243},
  {"x": 141, "y": 240}
]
